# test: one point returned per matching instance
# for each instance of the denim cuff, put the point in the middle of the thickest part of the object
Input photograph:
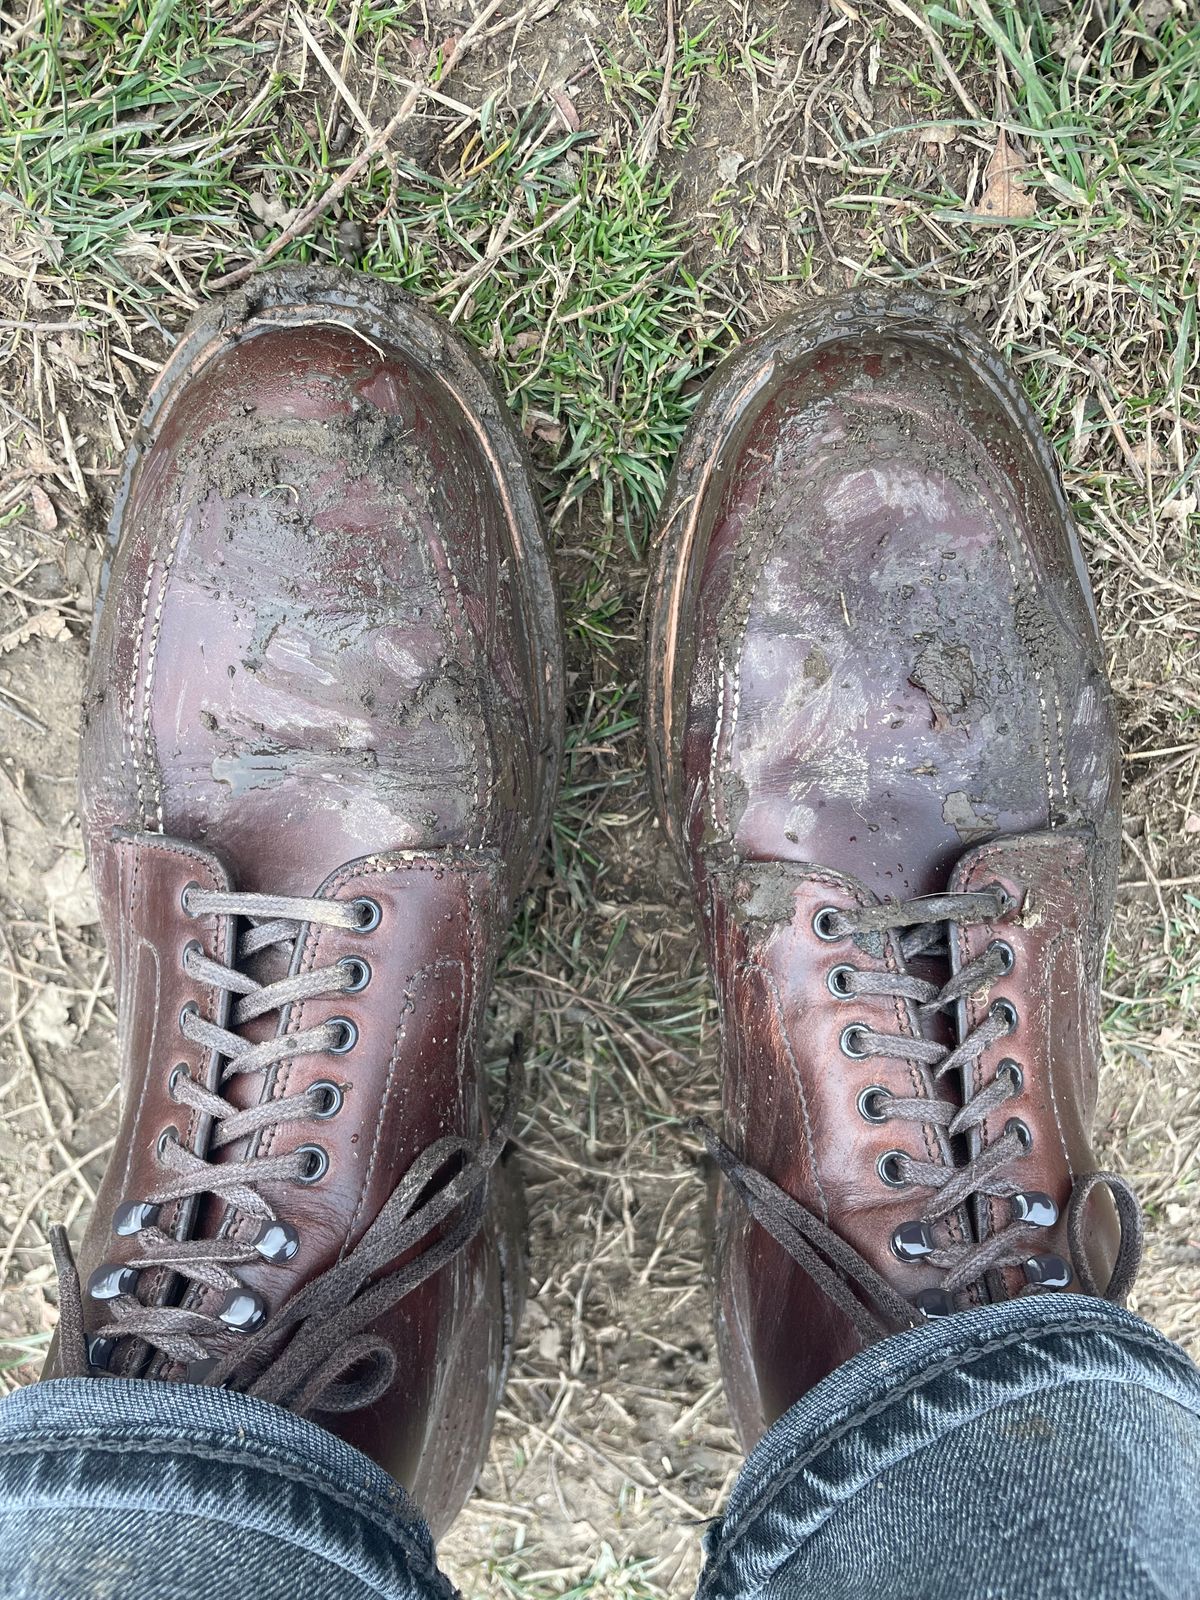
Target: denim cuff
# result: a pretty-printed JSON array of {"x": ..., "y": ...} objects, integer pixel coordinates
[
  {"x": 909, "y": 1393},
  {"x": 216, "y": 1474}
]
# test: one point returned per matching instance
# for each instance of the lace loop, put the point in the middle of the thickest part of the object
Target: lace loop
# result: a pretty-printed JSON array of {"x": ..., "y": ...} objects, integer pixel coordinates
[
  {"x": 922, "y": 928},
  {"x": 865, "y": 1297},
  {"x": 313, "y": 1351}
]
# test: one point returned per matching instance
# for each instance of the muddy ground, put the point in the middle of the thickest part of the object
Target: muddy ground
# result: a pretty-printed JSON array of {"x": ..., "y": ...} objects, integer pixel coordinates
[{"x": 613, "y": 1444}]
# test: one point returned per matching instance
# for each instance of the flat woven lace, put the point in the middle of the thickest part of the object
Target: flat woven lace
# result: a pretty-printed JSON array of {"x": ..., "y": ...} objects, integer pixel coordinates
[
  {"x": 872, "y": 1304},
  {"x": 315, "y": 1351}
]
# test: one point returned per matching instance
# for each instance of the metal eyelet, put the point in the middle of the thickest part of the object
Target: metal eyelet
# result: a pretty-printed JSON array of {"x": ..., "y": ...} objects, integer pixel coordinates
[
  {"x": 854, "y": 1031},
  {"x": 188, "y": 1009},
  {"x": 369, "y": 914},
  {"x": 837, "y": 981},
  {"x": 1021, "y": 1129},
  {"x": 360, "y": 974},
  {"x": 178, "y": 1072},
  {"x": 349, "y": 1036},
  {"x": 167, "y": 1136},
  {"x": 889, "y": 1169},
  {"x": 183, "y": 898},
  {"x": 192, "y": 947},
  {"x": 1007, "y": 901},
  {"x": 131, "y": 1216},
  {"x": 1034, "y": 1208},
  {"x": 1004, "y": 950},
  {"x": 1005, "y": 1009},
  {"x": 111, "y": 1282},
  {"x": 100, "y": 1348},
  {"x": 912, "y": 1241},
  {"x": 327, "y": 1098},
  {"x": 243, "y": 1311},
  {"x": 317, "y": 1163},
  {"x": 1048, "y": 1272},
  {"x": 277, "y": 1242},
  {"x": 933, "y": 1303},
  {"x": 868, "y": 1103},
  {"x": 821, "y": 921},
  {"x": 1011, "y": 1070}
]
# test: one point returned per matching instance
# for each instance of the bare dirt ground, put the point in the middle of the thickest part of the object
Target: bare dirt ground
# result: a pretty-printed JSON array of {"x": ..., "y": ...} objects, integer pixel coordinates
[{"x": 706, "y": 166}]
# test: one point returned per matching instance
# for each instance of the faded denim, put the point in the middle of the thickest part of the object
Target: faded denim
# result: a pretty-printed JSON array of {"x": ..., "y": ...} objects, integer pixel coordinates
[{"x": 1048, "y": 1449}]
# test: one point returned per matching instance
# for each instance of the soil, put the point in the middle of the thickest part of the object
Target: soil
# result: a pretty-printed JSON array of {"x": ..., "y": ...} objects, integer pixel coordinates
[{"x": 612, "y": 1446}]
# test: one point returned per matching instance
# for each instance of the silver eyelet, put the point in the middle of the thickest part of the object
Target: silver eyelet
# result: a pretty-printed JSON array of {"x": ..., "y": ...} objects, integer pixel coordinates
[
  {"x": 868, "y": 1103},
  {"x": 1022, "y": 1131},
  {"x": 849, "y": 1035},
  {"x": 889, "y": 1169},
  {"x": 1004, "y": 950},
  {"x": 821, "y": 921},
  {"x": 838, "y": 987},
  {"x": 360, "y": 974},
  {"x": 183, "y": 898},
  {"x": 192, "y": 947},
  {"x": 327, "y": 1098},
  {"x": 1011, "y": 1070},
  {"x": 1005, "y": 1009},
  {"x": 178, "y": 1072},
  {"x": 369, "y": 914},
  {"x": 188, "y": 1009},
  {"x": 348, "y": 1039},
  {"x": 317, "y": 1163},
  {"x": 167, "y": 1136}
]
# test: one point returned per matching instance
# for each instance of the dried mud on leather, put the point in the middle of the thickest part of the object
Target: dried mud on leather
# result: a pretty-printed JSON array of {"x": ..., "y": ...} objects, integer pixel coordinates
[
  {"x": 372, "y": 441},
  {"x": 612, "y": 1446}
]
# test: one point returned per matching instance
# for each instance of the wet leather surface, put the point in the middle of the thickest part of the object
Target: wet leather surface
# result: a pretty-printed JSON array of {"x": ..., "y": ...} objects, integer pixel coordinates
[
  {"x": 327, "y": 664},
  {"x": 882, "y": 656}
]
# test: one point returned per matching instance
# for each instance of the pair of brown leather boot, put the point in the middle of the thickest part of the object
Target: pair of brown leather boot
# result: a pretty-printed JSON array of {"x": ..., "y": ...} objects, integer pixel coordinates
[{"x": 321, "y": 741}]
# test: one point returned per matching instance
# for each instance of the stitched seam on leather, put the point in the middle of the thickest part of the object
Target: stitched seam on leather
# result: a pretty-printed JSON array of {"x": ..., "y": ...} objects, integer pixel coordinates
[
  {"x": 772, "y": 988},
  {"x": 746, "y": 554},
  {"x": 950, "y": 1363},
  {"x": 440, "y": 964},
  {"x": 483, "y": 741},
  {"x": 471, "y": 1012},
  {"x": 151, "y": 660},
  {"x": 131, "y": 703},
  {"x": 1059, "y": 943},
  {"x": 1014, "y": 522},
  {"x": 722, "y": 685},
  {"x": 293, "y": 1470},
  {"x": 171, "y": 850}
]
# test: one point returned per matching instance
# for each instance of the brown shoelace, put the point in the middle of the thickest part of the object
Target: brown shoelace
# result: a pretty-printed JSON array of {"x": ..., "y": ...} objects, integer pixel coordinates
[
  {"x": 313, "y": 1352},
  {"x": 866, "y": 1298}
]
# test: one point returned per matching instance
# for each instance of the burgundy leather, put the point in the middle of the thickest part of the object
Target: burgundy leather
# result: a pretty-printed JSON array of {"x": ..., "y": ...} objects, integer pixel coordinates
[
  {"x": 328, "y": 664},
  {"x": 875, "y": 674}
]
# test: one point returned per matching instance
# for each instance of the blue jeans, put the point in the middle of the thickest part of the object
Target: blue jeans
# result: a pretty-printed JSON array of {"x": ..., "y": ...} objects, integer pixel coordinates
[{"x": 1045, "y": 1448}]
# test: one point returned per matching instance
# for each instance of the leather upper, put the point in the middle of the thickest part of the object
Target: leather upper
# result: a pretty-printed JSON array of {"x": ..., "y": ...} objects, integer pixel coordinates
[
  {"x": 327, "y": 664},
  {"x": 876, "y": 675}
]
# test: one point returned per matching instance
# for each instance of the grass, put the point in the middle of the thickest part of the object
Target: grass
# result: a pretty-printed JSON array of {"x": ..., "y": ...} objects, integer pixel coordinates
[{"x": 148, "y": 146}]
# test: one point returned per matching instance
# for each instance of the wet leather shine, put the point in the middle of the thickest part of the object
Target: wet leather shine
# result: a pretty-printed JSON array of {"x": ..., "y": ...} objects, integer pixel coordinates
[
  {"x": 327, "y": 664},
  {"x": 875, "y": 674}
]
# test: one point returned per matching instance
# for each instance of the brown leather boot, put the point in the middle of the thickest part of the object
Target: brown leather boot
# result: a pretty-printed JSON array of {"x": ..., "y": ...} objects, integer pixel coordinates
[
  {"x": 321, "y": 740},
  {"x": 883, "y": 745}
]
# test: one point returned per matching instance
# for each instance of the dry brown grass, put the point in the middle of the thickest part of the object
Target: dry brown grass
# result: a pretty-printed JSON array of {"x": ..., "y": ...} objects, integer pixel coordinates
[{"x": 778, "y": 127}]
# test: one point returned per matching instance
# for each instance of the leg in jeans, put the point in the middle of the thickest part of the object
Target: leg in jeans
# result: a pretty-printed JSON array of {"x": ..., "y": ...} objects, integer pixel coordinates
[
  {"x": 884, "y": 748},
  {"x": 1015, "y": 1452},
  {"x": 136, "y": 1490}
]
